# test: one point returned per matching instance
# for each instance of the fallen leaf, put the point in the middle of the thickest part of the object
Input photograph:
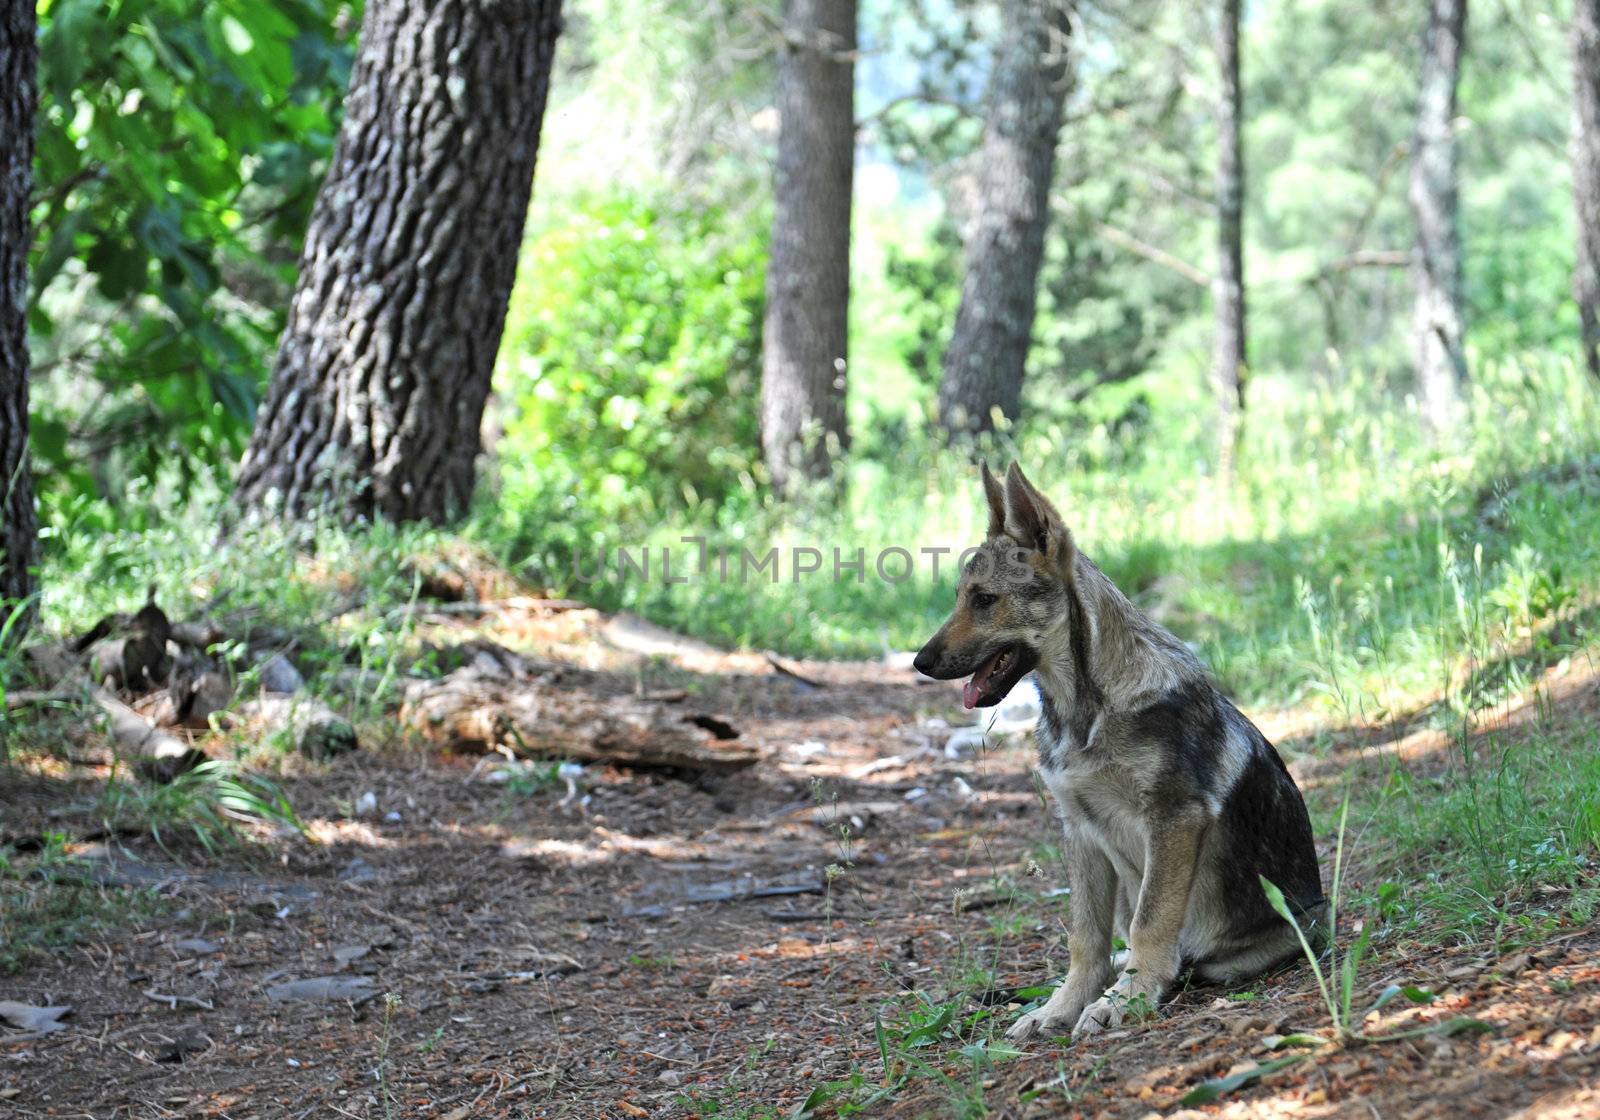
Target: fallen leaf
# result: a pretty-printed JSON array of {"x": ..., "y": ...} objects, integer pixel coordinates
[
  {"x": 325, "y": 989},
  {"x": 197, "y": 945},
  {"x": 25, "y": 1016},
  {"x": 349, "y": 954}
]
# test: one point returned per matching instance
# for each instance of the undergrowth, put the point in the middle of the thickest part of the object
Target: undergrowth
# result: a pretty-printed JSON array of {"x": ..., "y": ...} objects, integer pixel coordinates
[{"x": 45, "y": 908}]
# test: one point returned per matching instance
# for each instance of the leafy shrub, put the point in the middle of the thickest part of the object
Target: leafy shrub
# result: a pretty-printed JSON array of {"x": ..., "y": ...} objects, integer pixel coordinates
[{"x": 631, "y": 366}]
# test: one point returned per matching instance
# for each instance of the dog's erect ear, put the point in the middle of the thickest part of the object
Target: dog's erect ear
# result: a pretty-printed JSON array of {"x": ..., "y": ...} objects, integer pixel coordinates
[
  {"x": 996, "y": 494},
  {"x": 1033, "y": 522}
]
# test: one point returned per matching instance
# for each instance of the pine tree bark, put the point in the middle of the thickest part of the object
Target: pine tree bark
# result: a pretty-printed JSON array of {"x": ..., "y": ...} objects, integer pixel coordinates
[
  {"x": 987, "y": 358},
  {"x": 384, "y": 367},
  {"x": 1436, "y": 258},
  {"x": 1586, "y": 173},
  {"x": 1229, "y": 356},
  {"x": 18, "y": 100},
  {"x": 805, "y": 348}
]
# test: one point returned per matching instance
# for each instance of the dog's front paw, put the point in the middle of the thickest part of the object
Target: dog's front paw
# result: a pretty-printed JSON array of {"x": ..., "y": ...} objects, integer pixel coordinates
[
  {"x": 1125, "y": 1002},
  {"x": 1103, "y": 1014},
  {"x": 1056, "y": 1016}
]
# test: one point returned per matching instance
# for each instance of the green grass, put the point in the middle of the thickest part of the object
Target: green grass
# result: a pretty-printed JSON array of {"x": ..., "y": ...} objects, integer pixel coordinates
[
  {"x": 43, "y": 912},
  {"x": 1329, "y": 554},
  {"x": 1499, "y": 847},
  {"x": 207, "y": 804}
]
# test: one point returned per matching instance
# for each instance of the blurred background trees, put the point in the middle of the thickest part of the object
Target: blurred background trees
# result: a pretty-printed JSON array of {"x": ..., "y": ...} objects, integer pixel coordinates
[
  {"x": 1229, "y": 354},
  {"x": 1014, "y": 168},
  {"x": 806, "y": 338},
  {"x": 813, "y": 233},
  {"x": 1438, "y": 334},
  {"x": 1586, "y": 172}
]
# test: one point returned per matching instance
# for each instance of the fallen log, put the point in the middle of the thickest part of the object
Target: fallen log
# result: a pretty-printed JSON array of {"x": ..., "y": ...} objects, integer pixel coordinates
[
  {"x": 155, "y": 755},
  {"x": 472, "y": 711}
]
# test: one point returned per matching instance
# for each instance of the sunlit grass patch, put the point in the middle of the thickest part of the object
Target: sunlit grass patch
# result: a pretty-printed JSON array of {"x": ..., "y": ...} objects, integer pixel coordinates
[{"x": 1499, "y": 845}]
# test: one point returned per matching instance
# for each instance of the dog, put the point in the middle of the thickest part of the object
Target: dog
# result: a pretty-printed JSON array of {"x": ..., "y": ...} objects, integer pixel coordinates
[{"x": 1172, "y": 802}]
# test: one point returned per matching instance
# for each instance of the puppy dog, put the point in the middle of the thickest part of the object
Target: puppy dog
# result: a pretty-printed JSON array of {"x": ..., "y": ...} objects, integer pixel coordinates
[{"x": 1172, "y": 802}]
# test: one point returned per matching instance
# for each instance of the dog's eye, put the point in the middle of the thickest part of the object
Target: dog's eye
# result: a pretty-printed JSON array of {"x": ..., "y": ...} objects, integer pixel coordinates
[{"x": 982, "y": 600}]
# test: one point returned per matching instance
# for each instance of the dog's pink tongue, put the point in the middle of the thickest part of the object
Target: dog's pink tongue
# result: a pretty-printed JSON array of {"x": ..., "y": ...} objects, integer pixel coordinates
[{"x": 972, "y": 691}]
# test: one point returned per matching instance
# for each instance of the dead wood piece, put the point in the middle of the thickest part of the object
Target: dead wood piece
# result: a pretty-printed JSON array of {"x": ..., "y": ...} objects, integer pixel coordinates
[
  {"x": 188, "y": 702},
  {"x": 792, "y": 673},
  {"x": 438, "y": 579},
  {"x": 734, "y": 890},
  {"x": 156, "y": 755},
  {"x": 199, "y": 634},
  {"x": 720, "y": 728},
  {"x": 135, "y": 663},
  {"x": 659, "y": 847},
  {"x": 318, "y": 732},
  {"x": 55, "y": 665},
  {"x": 208, "y": 693},
  {"x": 983, "y": 899},
  {"x": 487, "y": 658},
  {"x": 857, "y": 813},
  {"x": 554, "y": 606},
  {"x": 34, "y": 697},
  {"x": 129, "y": 651},
  {"x": 325, "y": 989},
  {"x": 472, "y": 711},
  {"x": 27, "y": 1017}
]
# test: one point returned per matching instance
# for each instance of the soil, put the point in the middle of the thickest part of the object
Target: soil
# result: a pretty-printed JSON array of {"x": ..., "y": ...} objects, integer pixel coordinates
[{"x": 516, "y": 949}]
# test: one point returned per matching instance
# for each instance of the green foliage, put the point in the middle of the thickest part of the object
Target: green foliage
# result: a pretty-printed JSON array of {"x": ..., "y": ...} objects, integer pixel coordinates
[
  {"x": 1333, "y": 530},
  {"x": 207, "y": 803},
  {"x": 180, "y": 146},
  {"x": 162, "y": 533},
  {"x": 631, "y": 364},
  {"x": 46, "y": 907}
]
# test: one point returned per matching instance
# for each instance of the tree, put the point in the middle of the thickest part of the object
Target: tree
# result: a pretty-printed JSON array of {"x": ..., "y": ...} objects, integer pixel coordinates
[
  {"x": 384, "y": 367},
  {"x": 1586, "y": 172},
  {"x": 1436, "y": 258},
  {"x": 1229, "y": 357},
  {"x": 988, "y": 353},
  {"x": 805, "y": 347},
  {"x": 18, "y": 97}
]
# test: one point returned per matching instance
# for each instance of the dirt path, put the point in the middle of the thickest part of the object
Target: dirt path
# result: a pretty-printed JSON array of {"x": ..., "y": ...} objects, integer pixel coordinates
[{"x": 527, "y": 954}]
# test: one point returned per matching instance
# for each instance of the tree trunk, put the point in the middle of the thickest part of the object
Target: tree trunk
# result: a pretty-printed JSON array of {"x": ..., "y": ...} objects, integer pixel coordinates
[
  {"x": 18, "y": 98},
  {"x": 1228, "y": 358},
  {"x": 988, "y": 353},
  {"x": 1436, "y": 259},
  {"x": 805, "y": 342},
  {"x": 1586, "y": 172},
  {"x": 384, "y": 366}
]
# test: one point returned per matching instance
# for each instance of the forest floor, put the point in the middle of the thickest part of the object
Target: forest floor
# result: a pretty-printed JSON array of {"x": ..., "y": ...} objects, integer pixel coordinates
[{"x": 849, "y": 915}]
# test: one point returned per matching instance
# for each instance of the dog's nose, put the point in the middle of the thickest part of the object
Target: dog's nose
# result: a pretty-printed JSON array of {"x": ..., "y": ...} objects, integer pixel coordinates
[{"x": 924, "y": 660}]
